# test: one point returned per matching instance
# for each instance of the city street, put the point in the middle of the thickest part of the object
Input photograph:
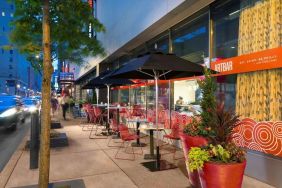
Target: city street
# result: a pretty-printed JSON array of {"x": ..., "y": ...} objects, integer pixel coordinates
[{"x": 10, "y": 140}]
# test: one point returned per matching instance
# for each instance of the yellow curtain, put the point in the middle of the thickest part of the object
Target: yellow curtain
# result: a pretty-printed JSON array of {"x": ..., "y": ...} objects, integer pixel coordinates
[{"x": 259, "y": 94}]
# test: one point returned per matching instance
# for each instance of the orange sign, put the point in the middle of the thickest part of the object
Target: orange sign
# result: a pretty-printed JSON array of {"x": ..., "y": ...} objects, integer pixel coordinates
[{"x": 267, "y": 59}]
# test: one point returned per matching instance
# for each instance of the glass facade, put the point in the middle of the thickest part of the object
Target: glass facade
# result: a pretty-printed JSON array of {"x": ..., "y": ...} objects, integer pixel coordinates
[
  {"x": 214, "y": 33},
  {"x": 138, "y": 96},
  {"x": 224, "y": 43},
  {"x": 159, "y": 44},
  {"x": 191, "y": 39},
  {"x": 224, "y": 29},
  {"x": 225, "y": 23}
]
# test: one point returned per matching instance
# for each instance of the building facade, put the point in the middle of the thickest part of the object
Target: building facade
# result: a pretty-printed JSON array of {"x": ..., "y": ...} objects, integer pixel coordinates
[
  {"x": 16, "y": 74},
  {"x": 241, "y": 39}
]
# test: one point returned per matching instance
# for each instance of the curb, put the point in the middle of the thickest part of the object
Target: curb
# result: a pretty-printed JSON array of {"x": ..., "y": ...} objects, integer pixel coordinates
[{"x": 10, "y": 166}]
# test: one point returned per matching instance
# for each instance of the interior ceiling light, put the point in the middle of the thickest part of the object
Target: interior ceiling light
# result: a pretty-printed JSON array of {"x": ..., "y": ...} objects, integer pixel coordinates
[{"x": 235, "y": 12}]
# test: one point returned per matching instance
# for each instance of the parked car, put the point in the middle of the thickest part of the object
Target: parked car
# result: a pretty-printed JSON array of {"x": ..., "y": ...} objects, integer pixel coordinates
[{"x": 11, "y": 111}]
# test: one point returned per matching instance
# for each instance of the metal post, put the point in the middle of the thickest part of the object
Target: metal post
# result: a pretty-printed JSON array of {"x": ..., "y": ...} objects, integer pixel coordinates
[
  {"x": 97, "y": 97},
  {"x": 169, "y": 102},
  {"x": 146, "y": 101},
  {"x": 108, "y": 105},
  {"x": 157, "y": 117},
  {"x": 34, "y": 141}
]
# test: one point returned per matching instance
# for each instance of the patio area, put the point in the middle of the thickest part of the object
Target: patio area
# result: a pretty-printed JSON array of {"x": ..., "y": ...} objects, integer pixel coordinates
[{"x": 93, "y": 162}]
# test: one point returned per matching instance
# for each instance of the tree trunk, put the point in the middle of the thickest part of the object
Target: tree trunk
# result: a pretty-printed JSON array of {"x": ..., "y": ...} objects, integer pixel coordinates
[{"x": 44, "y": 163}]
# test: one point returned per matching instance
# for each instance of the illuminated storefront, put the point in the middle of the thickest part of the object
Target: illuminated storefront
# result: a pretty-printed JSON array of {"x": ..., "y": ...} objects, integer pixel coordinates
[{"x": 223, "y": 33}]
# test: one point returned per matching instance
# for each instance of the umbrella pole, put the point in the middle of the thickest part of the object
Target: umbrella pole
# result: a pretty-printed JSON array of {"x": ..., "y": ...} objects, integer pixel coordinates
[
  {"x": 108, "y": 105},
  {"x": 97, "y": 98},
  {"x": 157, "y": 118}
]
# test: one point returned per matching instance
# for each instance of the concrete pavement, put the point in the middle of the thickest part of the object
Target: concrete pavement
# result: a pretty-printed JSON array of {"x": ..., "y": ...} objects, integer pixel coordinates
[{"x": 92, "y": 161}]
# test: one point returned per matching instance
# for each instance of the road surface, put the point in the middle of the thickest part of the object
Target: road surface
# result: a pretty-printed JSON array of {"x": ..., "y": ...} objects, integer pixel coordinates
[{"x": 10, "y": 140}]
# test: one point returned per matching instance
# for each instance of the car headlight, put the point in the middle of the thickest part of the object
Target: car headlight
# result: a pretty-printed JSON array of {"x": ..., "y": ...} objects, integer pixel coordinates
[
  {"x": 9, "y": 112},
  {"x": 32, "y": 109}
]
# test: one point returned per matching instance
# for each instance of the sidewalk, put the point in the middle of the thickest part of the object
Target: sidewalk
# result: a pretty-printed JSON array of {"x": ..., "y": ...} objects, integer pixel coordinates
[{"x": 92, "y": 161}]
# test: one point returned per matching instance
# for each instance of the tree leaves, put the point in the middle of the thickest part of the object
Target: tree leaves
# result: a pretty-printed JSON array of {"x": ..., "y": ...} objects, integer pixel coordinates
[{"x": 69, "y": 22}]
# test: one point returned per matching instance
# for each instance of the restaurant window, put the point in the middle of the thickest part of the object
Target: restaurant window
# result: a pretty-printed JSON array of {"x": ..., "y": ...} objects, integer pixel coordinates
[
  {"x": 225, "y": 19},
  {"x": 191, "y": 38},
  {"x": 124, "y": 96},
  {"x": 187, "y": 96},
  {"x": 163, "y": 96},
  {"x": 191, "y": 42},
  {"x": 114, "y": 96},
  {"x": 159, "y": 44},
  {"x": 138, "y": 96}
]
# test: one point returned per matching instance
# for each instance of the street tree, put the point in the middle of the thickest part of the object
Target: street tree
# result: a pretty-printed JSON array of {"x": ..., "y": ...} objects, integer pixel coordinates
[{"x": 45, "y": 31}]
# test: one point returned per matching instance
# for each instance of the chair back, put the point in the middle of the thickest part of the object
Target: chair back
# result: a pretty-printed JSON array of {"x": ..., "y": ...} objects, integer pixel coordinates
[
  {"x": 175, "y": 130},
  {"x": 124, "y": 132},
  {"x": 113, "y": 124},
  {"x": 162, "y": 116},
  {"x": 98, "y": 111},
  {"x": 167, "y": 123},
  {"x": 151, "y": 117},
  {"x": 91, "y": 115},
  {"x": 137, "y": 110}
]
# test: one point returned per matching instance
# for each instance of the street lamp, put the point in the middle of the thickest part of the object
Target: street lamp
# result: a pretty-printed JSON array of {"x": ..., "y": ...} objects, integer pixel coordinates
[
  {"x": 24, "y": 91},
  {"x": 17, "y": 89}
]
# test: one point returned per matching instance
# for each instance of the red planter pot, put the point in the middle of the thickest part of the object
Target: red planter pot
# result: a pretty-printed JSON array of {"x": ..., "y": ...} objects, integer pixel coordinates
[
  {"x": 187, "y": 143},
  {"x": 222, "y": 175}
]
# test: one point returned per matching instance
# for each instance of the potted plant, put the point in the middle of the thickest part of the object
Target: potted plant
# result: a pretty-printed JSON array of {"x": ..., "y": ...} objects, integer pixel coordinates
[
  {"x": 199, "y": 128},
  {"x": 80, "y": 103},
  {"x": 221, "y": 163},
  {"x": 195, "y": 133}
]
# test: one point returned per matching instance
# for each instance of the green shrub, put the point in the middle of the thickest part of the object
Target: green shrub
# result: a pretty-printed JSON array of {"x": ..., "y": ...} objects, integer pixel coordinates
[{"x": 197, "y": 157}]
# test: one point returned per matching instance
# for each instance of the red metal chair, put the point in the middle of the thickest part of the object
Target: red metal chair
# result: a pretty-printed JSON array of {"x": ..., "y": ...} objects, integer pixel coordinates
[
  {"x": 177, "y": 125},
  {"x": 137, "y": 111},
  {"x": 116, "y": 129},
  {"x": 88, "y": 108},
  {"x": 99, "y": 121},
  {"x": 126, "y": 137}
]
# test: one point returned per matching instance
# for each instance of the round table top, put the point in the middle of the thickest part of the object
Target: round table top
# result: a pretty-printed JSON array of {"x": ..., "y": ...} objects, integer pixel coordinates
[
  {"x": 137, "y": 120},
  {"x": 149, "y": 127},
  {"x": 116, "y": 108}
]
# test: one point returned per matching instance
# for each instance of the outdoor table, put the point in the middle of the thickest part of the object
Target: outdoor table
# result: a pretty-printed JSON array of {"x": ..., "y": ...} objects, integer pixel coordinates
[
  {"x": 151, "y": 129},
  {"x": 138, "y": 121},
  {"x": 117, "y": 108}
]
